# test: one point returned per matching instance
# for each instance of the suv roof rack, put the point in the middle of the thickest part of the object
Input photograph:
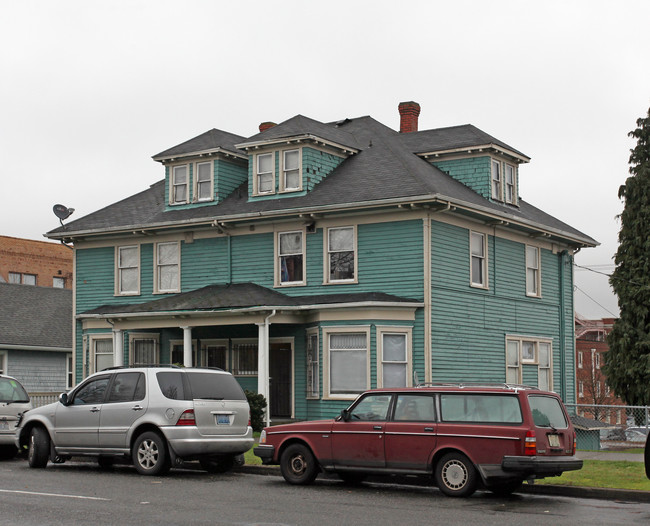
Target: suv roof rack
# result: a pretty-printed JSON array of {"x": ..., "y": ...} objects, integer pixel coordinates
[{"x": 141, "y": 366}]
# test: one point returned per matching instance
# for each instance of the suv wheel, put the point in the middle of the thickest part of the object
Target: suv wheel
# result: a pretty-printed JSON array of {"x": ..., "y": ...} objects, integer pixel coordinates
[
  {"x": 216, "y": 464},
  {"x": 456, "y": 475},
  {"x": 39, "y": 448},
  {"x": 298, "y": 465},
  {"x": 150, "y": 454}
]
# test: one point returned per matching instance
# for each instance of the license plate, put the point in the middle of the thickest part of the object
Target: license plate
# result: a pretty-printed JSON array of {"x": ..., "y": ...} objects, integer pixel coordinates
[
  {"x": 554, "y": 440},
  {"x": 4, "y": 424},
  {"x": 223, "y": 420}
]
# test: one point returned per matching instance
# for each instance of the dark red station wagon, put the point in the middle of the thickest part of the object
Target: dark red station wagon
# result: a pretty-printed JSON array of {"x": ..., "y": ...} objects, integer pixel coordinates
[{"x": 466, "y": 436}]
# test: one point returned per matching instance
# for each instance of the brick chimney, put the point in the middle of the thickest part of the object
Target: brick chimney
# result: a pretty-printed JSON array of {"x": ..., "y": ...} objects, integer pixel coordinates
[
  {"x": 409, "y": 112},
  {"x": 266, "y": 125}
]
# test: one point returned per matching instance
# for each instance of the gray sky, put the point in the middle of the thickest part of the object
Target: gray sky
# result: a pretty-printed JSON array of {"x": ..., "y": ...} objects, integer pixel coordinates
[{"x": 89, "y": 91}]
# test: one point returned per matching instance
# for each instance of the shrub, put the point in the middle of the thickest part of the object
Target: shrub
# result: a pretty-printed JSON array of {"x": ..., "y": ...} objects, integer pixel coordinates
[{"x": 257, "y": 403}]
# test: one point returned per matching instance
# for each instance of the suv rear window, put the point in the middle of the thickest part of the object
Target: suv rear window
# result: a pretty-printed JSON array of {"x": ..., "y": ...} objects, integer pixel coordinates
[
  {"x": 501, "y": 409},
  {"x": 179, "y": 385},
  {"x": 547, "y": 412}
]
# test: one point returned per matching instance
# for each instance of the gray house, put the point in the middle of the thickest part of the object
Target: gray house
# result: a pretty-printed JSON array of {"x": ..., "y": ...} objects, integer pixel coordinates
[{"x": 36, "y": 338}]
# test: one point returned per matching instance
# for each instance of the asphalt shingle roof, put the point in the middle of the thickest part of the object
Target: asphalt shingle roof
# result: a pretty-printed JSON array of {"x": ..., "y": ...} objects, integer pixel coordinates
[
  {"x": 210, "y": 140},
  {"x": 35, "y": 316},
  {"x": 241, "y": 296},
  {"x": 386, "y": 167}
]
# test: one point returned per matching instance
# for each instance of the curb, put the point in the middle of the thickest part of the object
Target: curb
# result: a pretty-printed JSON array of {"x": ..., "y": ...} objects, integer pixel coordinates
[{"x": 579, "y": 492}]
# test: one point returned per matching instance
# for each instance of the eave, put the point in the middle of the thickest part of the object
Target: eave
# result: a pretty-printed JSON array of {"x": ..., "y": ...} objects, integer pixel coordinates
[
  {"x": 202, "y": 153},
  {"x": 297, "y": 139},
  {"x": 468, "y": 150}
]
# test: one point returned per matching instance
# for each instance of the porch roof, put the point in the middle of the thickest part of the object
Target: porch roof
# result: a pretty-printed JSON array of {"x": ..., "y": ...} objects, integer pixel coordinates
[{"x": 246, "y": 297}]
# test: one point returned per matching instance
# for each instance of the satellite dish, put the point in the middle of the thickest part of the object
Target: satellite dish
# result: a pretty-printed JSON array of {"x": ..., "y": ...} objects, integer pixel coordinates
[{"x": 62, "y": 212}]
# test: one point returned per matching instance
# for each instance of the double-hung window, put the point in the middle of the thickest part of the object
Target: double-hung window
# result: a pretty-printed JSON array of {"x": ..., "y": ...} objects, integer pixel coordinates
[
  {"x": 529, "y": 359},
  {"x": 497, "y": 190},
  {"x": 341, "y": 260},
  {"x": 214, "y": 353},
  {"x": 312, "y": 365},
  {"x": 291, "y": 258},
  {"x": 394, "y": 354},
  {"x": 532, "y": 271},
  {"x": 168, "y": 267},
  {"x": 177, "y": 353},
  {"x": 102, "y": 349},
  {"x": 203, "y": 185},
  {"x": 264, "y": 173},
  {"x": 478, "y": 251},
  {"x": 144, "y": 349},
  {"x": 128, "y": 270},
  {"x": 348, "y": 362},
  {"x": 291, "y": 170},
  {"x": 244, "y": 357},
  {"x": 179, "y": 190},
  {"x": 511, "y": 194}
]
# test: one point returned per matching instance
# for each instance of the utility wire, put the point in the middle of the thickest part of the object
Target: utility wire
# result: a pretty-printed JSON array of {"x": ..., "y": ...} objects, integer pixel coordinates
[{"x": 592, "y": 299}]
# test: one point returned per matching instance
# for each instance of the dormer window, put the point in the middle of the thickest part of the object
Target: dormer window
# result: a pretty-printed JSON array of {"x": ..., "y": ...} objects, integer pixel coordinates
[
  {"x": 264, "y": 176},
  {"x": 511, "y": 194},
  {"x": 179, "y": 186},
  {"x": 203, "y": 185},
  {"x": 291, "y": 179},
  {"x": 496, "y": 181}
]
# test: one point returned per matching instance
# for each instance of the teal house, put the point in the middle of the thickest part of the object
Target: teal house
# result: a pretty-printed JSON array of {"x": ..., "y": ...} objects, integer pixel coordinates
[{"x": 317, "y": 260}]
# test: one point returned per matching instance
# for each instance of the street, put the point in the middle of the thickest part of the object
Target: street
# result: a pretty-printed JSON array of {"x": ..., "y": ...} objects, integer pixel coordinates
[{"x": 81, "y": 493}]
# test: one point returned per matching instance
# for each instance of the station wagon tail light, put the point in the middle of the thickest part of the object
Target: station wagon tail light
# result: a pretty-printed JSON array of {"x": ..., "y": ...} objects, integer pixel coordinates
[
  {"x": 575, "y": 439},
  {"x": 187, "y": 418},
  {"x": 263, "y": 437},
  {"x": 530, "y": 445}
]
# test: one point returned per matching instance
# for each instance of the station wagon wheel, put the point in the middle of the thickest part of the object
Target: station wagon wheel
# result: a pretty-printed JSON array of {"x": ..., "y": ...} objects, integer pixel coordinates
[
  {"x": 456, "y": 475},
  {"x": 39, "y": 448},
  {"x": 150, "y": 455},
  {"x": 298, "y": 465}
]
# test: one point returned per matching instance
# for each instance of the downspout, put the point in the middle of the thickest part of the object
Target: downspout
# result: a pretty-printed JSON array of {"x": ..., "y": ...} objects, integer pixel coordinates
[{"x": 563, "y": 380}]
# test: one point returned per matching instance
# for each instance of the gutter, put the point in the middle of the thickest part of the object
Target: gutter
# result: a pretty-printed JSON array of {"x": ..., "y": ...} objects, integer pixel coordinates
[
  {"x": 4, "y": 346},
  {"x": 420, "y": 199}
]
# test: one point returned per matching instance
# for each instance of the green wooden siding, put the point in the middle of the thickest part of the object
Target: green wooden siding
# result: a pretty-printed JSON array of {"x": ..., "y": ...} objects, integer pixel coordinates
[
  {"x": 228, "y": 177},
  {"x": 475, "y": 172},
  {"x": 316, "y": 165}
]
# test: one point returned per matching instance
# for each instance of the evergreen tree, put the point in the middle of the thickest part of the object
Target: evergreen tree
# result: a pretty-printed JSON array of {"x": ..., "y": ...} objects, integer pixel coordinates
[{"x": 627, "y": 363}]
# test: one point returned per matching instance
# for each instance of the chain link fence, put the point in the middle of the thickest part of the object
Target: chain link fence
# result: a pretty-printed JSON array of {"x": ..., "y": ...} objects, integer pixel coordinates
[{"x": 610, "y": 427}]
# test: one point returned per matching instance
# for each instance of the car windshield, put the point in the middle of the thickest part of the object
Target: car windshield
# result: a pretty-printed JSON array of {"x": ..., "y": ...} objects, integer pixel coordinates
[
  {"x": 547, "y": 412},
  {"x": 11, "y": 391}
]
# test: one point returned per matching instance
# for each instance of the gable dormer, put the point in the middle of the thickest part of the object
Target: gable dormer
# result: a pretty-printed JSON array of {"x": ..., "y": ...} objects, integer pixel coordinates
[
  {"x": 204, "y": 170},
  {"x": 290, "y": 158}
]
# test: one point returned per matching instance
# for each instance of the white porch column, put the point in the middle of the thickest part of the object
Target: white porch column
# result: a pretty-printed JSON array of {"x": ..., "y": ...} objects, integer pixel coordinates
[
  {"x": 118, "y": 347},
  {"x": 187, "y": 346},
  {"x": 263, "y": 351}
]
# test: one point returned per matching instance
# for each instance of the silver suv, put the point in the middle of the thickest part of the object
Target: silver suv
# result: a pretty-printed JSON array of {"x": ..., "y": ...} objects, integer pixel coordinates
[
  {"x": 155, "y": 416},
  {"x": 14, "y": 401}
]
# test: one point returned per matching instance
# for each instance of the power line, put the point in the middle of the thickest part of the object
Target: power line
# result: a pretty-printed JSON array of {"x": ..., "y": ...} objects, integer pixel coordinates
[{"x": 592, "y": 299}]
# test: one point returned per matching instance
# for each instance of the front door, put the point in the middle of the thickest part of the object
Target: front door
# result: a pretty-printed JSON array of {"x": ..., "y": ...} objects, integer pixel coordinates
[{"x": 280, "y": 382}]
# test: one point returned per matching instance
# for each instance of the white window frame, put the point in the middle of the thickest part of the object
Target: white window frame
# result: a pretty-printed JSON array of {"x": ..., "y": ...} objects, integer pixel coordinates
[
  {"x": 215, "y": 343},
  {"x": 22, "y": 278},
  {"x": 119, "y": 269},
  {"x": 581, "y": 389},
  {"x": 327, "y": 259},
  {"x": 158, "y": 266},
  {"x": 58, "y": 282},
  {"x": 407, "y": 333},
  {"x": 496, "y": 180},
  {"x": 522, "y": 361},
  {"x": 209, "y": 183},
  {"x": 3, "y": 362},
  {"x": 69, "y": 371},
  {"x": 596, "y": 359},
  {"x": 482, "y": 257},
  {"x": 136, "y": 336},
  {"x": 327, "y": 371},
  {"x": 278, "y": 259},
  {"x": 173, "y": 185},
  {"x": 258, "y": 174},
  {"x": 533, "y": 267},
  {"x": 580, "y": 359},
  {"x": 181, "y": 344},
  {"x": 235, "y": 369},
  {"x": 312, "y": 378},
  {"x": 510, "y": 183},
  {"x": 92, "y": 343},
  {"x": 283, "y": 179}
]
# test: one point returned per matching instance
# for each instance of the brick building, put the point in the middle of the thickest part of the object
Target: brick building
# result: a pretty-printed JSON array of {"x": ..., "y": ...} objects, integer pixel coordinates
[
  {"x": 30, "y": 262},
  {"x": 591, "y": 382}
]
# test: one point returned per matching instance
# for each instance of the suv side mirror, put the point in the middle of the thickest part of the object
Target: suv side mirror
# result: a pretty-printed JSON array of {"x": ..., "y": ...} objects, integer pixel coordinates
[{"x": 63, "y": 398}]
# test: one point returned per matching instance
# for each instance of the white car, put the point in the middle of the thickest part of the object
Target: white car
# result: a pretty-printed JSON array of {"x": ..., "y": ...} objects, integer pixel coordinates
[{"x": 14, "y": 401}]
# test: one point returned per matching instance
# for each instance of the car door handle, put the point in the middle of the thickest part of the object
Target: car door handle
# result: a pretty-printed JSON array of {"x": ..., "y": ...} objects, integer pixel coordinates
[
  {"x": 377, "y": 428},
  {"x": 428, "y": 429},
  {"x": 136, "y": 408},
  {"x": 94, "y": 409}
]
